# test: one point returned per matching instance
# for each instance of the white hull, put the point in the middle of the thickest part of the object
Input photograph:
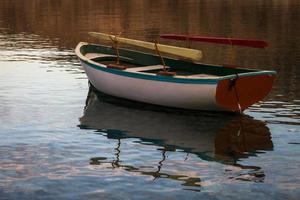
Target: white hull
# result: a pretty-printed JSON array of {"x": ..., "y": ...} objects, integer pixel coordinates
[{"x": 187, "y": 96}]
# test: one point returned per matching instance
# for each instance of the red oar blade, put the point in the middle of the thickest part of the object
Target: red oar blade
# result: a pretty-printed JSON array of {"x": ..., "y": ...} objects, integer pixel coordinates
[{"x": 218, "y": 40}]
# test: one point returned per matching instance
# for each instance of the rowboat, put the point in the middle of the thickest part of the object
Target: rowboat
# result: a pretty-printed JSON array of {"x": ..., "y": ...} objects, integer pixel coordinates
[{"x": 172, "y": 82}]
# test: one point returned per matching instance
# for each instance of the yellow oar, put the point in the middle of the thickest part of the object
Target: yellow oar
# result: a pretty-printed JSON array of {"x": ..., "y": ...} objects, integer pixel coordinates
[{"x": 178, "y": 51}]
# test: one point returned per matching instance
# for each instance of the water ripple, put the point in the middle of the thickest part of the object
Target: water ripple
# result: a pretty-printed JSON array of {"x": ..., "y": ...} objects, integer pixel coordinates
[{"x": 281, "y": 112}]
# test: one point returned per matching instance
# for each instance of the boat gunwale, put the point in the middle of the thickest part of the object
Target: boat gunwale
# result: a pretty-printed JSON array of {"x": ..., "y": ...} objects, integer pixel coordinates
[{"x": 155, "y": 77}]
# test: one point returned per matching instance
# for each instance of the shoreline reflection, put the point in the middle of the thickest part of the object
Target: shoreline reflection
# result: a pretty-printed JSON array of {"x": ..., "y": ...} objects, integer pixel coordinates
[{"x": 219, "y": 137}]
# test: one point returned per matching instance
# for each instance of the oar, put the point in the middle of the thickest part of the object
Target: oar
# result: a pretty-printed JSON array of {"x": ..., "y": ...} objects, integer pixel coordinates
[
  {"x": 218, "y": 40},
  {"x": 178, "y": 51}
]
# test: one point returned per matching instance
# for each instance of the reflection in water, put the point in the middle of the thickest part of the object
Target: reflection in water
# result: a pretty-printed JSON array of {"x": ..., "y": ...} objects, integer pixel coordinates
[
  {"x": 31, "y": 48},
  {"x": 223, "y": 138},
  {"x": 242, "y": 137}
]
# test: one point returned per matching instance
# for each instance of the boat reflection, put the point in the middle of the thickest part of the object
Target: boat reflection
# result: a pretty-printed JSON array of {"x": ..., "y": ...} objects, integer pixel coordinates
[{"x": 219, "y": 137}]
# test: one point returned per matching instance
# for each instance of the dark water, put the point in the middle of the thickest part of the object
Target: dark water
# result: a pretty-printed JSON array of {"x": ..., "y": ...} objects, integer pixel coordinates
[{"x": 59, "y": 141}]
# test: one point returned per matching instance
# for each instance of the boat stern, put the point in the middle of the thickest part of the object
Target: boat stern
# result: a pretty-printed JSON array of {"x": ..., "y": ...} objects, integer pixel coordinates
[{"x": 238, "y": 92}]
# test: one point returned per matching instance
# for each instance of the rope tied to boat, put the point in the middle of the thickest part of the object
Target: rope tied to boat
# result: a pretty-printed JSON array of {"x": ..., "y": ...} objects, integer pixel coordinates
[
  {"x": 116, "y": 47},
  {"x": 161, "y": 58},
  {"x": 232, "y": 84},
  {"x": 164, "y": 72}
]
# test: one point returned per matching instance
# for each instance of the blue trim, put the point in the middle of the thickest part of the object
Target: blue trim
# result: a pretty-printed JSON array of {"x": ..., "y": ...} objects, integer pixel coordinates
[{"x": 152, "y": 77}]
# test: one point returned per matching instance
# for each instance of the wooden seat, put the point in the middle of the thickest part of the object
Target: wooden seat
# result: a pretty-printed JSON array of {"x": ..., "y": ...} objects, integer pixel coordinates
[
  {"x": 166, "y": 73},
  {"x": 201, "y": 75},
  {"x": 145, "y": 68},
  {"x": 116, "y": 66},
  {"x": 97, "y": 55}
]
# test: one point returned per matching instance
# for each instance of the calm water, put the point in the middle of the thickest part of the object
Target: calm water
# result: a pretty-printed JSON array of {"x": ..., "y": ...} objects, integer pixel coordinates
[{"x": 61, "y": 141}]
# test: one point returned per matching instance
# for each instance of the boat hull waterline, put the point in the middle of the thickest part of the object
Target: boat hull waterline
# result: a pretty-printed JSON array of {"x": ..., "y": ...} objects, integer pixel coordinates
[{"x": 233, "y": 92}]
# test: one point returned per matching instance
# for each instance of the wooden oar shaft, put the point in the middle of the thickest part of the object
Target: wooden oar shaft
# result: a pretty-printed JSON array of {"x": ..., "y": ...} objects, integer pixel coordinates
[
  {"x": 178, "y": 51},
  {"x": 218, "y": 40}
]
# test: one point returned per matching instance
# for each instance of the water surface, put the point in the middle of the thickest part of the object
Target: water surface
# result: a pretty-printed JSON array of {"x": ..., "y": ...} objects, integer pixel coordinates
[{"x": 62, "y": 140}]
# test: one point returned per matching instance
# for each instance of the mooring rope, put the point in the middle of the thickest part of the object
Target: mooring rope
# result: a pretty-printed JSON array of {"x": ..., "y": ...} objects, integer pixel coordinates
[
  {"x": 161, "y": 58},
  {"x": 233, "y": 85},
  {"x": 116, "y": 47}
]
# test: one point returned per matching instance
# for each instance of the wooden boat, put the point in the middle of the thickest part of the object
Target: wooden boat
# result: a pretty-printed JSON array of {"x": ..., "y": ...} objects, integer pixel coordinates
[{"x": 165, "y": 81}]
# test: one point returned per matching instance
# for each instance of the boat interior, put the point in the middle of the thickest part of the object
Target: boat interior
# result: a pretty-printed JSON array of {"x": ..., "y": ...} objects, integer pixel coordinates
[{"x": 140, "y": 62}]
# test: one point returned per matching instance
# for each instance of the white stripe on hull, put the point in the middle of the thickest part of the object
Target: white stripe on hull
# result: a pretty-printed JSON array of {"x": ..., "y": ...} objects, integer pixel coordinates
[{"x": 188, "y": 96}]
